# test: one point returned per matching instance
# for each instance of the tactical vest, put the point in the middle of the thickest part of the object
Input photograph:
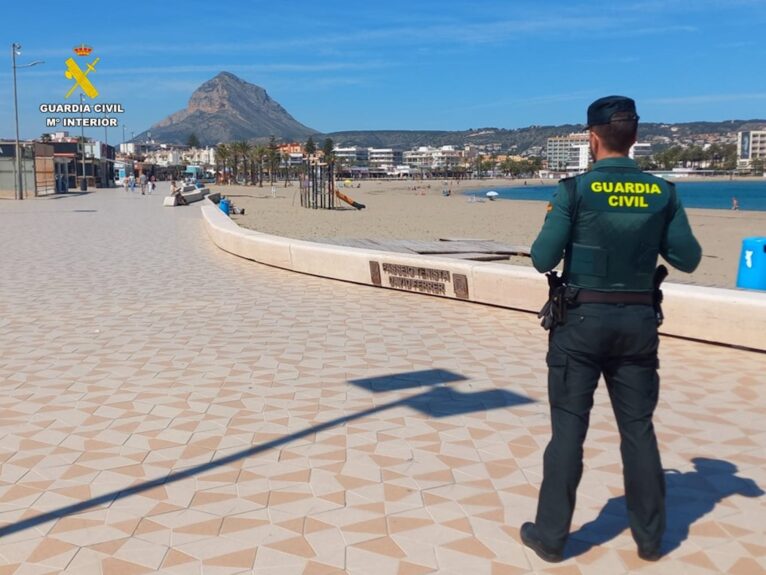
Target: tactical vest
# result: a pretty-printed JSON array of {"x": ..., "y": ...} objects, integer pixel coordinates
[{"x": 619, "y": 217}]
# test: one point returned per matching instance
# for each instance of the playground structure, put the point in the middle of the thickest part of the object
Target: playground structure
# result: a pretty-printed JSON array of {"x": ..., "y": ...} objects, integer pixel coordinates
[{"x": 317, "y": 187}]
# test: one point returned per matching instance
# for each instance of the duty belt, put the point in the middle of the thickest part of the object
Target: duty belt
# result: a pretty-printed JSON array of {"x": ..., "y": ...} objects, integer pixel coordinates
[{"x": 616, "y": 297}]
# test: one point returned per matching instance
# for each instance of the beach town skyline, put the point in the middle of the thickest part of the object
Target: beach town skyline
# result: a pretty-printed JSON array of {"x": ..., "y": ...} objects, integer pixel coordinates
[{"x": 446, "y": 66}]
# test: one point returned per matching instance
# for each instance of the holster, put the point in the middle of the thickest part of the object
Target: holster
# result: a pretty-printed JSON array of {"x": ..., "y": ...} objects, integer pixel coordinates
[
  {"x": 554, "y": 311},
  {"x": 659, "y": 276}
]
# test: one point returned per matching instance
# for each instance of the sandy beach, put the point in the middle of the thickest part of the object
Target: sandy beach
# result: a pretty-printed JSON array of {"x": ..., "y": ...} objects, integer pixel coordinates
[{"x": 394, "y": 210}]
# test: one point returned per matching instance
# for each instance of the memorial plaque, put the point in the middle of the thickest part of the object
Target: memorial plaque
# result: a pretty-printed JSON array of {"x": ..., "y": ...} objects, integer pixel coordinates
[{"x": 411, "y": 278}]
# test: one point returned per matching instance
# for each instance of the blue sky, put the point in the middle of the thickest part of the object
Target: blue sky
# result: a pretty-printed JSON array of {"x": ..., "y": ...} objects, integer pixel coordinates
[{"x": 440, "y": 65}]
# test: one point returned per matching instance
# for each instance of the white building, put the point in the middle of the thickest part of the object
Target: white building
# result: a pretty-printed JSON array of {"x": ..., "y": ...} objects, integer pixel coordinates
[
  {"x": 292, "y": 160},
  {"x": 428, "y": 158},
  {"x": 385, "y": 159},
  {"x": 170, "y": 156},
  {"x": 751, "y": 146},
  {"x": 199, "y": 156},
  {"x": 568, "y": 153},
  {"x": 165, "y": 157},
  {"x": 640, "y": 150},
  {"x": 571, "y": 154},
  {"x": 352, "y": 156}
]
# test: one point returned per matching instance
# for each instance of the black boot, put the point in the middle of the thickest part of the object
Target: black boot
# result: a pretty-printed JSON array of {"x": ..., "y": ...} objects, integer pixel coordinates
[{"x": 531, "y": 539}]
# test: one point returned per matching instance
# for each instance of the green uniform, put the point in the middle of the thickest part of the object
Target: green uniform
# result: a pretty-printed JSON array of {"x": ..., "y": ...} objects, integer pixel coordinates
[
  {"x": 610, "y": 227},
  {"x": 625, "y": 219}
]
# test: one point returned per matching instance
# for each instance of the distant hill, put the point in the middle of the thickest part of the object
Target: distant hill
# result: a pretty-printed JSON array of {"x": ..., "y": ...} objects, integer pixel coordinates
[
  {"x": 521, "y": 139},
  {"x": 225, "y": 109}
]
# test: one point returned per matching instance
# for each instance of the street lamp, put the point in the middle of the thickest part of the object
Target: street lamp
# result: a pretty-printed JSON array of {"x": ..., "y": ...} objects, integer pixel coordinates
[
  {"x": 107, "y": 179},
  {"x": 16, "y": 51},
  {"x": 83, "y": 182}
]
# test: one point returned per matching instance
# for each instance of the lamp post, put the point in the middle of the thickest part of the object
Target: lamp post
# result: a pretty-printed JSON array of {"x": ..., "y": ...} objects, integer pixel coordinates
[
  {"x": 16, "y": 51},
  {"x": 107, "y": 179},
  {"x": 83, "y": 182}
]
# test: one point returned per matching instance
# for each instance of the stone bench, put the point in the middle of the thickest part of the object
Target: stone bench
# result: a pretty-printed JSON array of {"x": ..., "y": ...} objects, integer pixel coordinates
[{"x": 191, "y": 194}]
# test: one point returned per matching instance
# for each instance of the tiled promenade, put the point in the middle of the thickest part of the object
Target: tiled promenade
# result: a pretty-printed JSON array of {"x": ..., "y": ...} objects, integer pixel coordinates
[{"x": 167, "y": 407}]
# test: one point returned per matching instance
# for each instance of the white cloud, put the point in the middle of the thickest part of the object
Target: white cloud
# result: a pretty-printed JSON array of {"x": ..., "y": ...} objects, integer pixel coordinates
[{"x": 706, "y": 98}]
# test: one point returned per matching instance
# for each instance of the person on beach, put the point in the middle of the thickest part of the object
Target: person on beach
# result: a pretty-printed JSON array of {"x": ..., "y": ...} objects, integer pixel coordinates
[
  {"x": 132, "y": 183},
  {"x": 610, "y": 225},
  {"x": 152, "y": 184},
  {"x": 734, "y": 203},
  {"x": 142, "y": 183}
]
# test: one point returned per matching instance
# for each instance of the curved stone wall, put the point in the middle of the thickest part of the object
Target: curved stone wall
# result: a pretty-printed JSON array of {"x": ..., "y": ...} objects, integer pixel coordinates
[{"x": 725, "y": 316}]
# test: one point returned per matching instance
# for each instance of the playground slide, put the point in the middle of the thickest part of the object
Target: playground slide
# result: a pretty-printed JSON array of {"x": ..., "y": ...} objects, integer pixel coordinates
[{"x": 349, "y": 201}]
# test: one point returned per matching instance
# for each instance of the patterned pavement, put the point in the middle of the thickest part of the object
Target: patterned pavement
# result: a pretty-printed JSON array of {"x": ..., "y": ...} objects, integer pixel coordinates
[{"x": 167, "y": 407}]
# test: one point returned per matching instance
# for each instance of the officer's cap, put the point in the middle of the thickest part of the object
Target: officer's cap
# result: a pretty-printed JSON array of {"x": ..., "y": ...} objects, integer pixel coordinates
[{"x": 601, "y": 111}]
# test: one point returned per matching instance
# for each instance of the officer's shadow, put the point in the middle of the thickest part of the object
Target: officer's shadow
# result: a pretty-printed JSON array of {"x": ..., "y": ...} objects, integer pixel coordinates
[{"x": 689, "y": 497}]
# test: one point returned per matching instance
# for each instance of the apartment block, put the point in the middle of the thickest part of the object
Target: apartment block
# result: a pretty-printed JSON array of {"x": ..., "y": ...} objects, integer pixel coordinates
[{"x": 751, "y": 146}]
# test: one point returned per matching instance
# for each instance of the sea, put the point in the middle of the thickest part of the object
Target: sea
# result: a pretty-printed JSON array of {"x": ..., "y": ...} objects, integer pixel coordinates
[{"x": 717, "y": 195}]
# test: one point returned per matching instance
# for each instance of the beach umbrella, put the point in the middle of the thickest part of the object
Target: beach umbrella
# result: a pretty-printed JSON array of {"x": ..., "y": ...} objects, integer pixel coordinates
[{"x": 492, "y": 194}]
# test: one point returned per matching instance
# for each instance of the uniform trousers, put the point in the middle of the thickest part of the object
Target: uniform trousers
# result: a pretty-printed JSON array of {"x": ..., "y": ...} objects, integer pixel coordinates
[{"x": 618, "y": 341}]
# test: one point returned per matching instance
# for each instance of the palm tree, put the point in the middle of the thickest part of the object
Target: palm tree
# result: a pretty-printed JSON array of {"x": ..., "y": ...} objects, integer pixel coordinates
[
  {"x": 310, "y": 148},
  {"x": 242, "y": 151},
  {"x": 273, "y": 157},
  {"x": 222, "y": 155},
  {"x": 252, "y": 158},
  {"x": 286, "y": 160},
  {"x": 260, "y": 153}
]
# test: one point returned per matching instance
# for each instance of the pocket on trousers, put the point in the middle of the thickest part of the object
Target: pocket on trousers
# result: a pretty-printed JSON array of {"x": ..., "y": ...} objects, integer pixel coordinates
[{"x": 558, "y": 364}]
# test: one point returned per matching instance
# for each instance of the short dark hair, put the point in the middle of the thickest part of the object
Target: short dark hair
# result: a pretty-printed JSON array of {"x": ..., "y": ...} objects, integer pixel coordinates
[{"x": 620, "y": 133}]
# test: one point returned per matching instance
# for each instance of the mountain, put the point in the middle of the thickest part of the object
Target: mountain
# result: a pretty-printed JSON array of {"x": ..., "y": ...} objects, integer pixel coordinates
[{"x": 225, "y": 109}]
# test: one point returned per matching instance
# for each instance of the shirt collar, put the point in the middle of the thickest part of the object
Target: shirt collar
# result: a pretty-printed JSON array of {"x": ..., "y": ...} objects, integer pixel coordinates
[{"x": 621, "y": 162}]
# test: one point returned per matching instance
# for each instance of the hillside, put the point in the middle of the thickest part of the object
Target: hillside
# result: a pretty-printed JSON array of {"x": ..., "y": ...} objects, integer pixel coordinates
[{"x": 523, "y": 139}]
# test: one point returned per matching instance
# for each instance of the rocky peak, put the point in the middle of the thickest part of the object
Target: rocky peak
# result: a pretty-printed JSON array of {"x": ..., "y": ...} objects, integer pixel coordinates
[
  {"x": 227, "y": 92},
  {"x": 226, "y": 108}
]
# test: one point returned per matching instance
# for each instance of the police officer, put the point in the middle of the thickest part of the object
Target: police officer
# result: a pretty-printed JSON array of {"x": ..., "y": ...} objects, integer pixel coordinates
[{"x": 609, "y": 224}]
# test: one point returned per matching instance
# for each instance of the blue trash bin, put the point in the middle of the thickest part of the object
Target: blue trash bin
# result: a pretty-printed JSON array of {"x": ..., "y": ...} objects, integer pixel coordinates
[
  {"x": 225, "y": 205},
  {"x": 752, "y": 264}
]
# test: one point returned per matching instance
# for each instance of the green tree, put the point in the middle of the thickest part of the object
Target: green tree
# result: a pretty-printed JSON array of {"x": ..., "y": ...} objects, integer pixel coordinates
[
  {"x": 252, "y": 160},
  {"x": 241, "y": 150},
  {"x": 692, "y": 156},
  {"x": 310, "y": 148},
  {"x": 260, "y": 153},
  {"x": 273, "y": 156},
  {"x": 669, "y": 157},
  {"x": 328, "y": 150},
  {"x": 286, "y": 162},
  {"x": 729, "y": 156},
  {"x": 715, "y": 155},
  {"x": 193, "y": 141},
  {"x": 222, "y": 156},
  {"x": 646, "y": 163}
]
